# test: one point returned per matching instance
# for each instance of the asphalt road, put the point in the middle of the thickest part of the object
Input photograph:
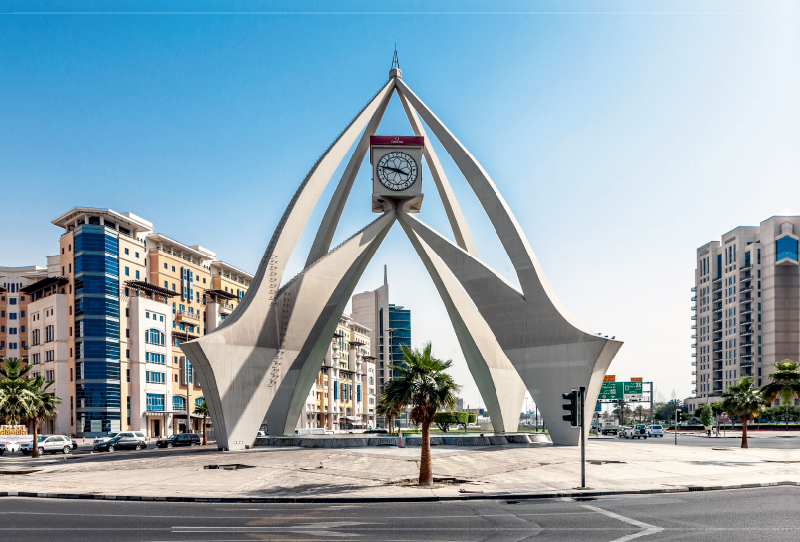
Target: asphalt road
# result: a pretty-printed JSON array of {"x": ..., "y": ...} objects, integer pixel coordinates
[
  {"x": 753, "y": 441},
  {"x": 725, "y": 516}
]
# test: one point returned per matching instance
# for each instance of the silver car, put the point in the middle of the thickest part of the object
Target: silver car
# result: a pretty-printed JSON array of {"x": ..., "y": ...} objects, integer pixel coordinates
[
  {"x": 129, "y": 439},
  {"x": 48, "y": 443}
]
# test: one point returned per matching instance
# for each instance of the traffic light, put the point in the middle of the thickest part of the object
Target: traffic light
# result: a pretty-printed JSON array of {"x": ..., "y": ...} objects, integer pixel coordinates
[{"x": 573, "y": 407}]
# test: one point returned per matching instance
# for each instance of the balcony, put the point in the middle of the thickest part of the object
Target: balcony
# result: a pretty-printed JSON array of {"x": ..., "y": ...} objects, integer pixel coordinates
[
  {"x": 714, "y": 351},
  {"x": 746, "y": 289},
  {"x": 694, "y": 364},
  {"x": 746, "y": 355},
  {"x": 744, "y": 322},
  {"x": 694, "y": 354},
  {"x": 717, "y": 329},
  {"x": 719, "y": 310},
  {"x": 694, "y": 381},
  {"x": 746, "y": 267},
  {"x": 717, "y": 388},
  {"x": 226, "y": 308},
  {"x": 694, "y": 316},
  {"x": 194, "y": 317},
  {"x": 747, "y": 299},
  {"x": 694, "y": 373},
  {"x": 718, "y": 279},
  {"x": 694, "y": 326},
  {"x": 746, "y": 363},
  {"x": 717, "y": 299},
  {"x": 717, "y": 340},
  {"x": 718, "y": 366},
  {"x": 746, "y": 278},
  {"x": 694, "y": 288},
  {"x": 749, "y": 343},
  {"x": 694, "y": 307},
  {"x": 746, "y": 332},
  {"x": 693, "y": 336},
  {"x": 746, "y": 311},
  {"x": 717, "y": 289},
  {"x": 694, "y": 298}
]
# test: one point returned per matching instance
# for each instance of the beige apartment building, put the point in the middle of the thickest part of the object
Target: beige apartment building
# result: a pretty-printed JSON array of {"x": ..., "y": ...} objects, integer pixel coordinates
[
  {"x": 747, "y": 306},
  {"x": 343, "y": 395},
  {"x": 104, "y": 319}
]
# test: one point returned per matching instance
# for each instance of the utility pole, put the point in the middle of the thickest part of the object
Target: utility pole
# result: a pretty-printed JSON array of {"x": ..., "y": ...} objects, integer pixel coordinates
[
  {"x": 677, "y": 413},
  {"x": 581, "y": 413},
  {"x": 651, "y": 403}
]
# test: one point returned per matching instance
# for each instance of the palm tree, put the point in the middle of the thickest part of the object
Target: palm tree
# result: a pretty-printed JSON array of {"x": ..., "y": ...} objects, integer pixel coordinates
[
  {"x": 15, "y": 396},
  {"x": 422, "y": 383},
  {"x": 639, "y": 412},
  {"x": 785, "y": 383},
  {"x": 43, "y": 405},
  {"x": 387, "y": 411},
  {"x": 742, "y": 401},
  {"x": 202, "y": 410}
]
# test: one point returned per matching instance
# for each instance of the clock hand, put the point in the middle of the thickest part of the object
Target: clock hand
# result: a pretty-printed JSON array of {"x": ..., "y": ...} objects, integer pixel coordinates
[{"x": 397, "y": 170}]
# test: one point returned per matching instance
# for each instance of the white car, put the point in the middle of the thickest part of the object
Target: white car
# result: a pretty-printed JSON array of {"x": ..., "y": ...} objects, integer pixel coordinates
[
  {"x": 655, "y": 431},
  {"x": 638, "y": 431},
  {"x": 49, "y": 443}
]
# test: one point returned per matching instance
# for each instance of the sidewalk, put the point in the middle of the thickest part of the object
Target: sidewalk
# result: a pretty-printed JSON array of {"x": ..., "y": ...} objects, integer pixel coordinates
[{"x": 369, "y": 473}]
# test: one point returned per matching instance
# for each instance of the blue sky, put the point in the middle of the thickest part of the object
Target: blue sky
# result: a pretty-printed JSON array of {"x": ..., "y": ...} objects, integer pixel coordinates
[{"x": 622, "y": 139}]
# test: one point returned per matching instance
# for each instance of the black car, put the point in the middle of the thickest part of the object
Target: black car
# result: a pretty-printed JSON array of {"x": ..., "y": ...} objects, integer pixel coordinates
[
  {"x": 118, "y": 443},
  {"x": 376, "y": 431},
  {"x": 183, "y": 439}
]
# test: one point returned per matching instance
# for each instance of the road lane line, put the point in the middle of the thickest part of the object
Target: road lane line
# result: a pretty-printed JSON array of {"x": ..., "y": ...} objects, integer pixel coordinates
[{"x": 648, "y": 529}]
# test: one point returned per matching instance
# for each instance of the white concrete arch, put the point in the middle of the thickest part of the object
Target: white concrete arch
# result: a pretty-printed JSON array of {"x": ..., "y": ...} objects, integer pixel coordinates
[{"x": 261, "y": 359}]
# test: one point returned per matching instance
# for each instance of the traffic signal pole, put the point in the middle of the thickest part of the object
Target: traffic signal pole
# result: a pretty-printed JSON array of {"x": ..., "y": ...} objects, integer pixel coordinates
[{"x": 581, "y": 410}]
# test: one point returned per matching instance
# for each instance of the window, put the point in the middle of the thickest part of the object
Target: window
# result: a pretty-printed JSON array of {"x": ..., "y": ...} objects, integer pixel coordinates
[
  {"x": 126, "y": 251},
  {"x": 49, "y": 333},
  {"x": 35, "y": 338},
  {"x": 173, "y": 268},
  {"x": 49, "y": 376},
  {"x": 12, "y": 315},
  {"x": 137, "y": 254},
  {"x": 786, "y": 249},
  {"x": 178, "y": 403},
  {"x": 165, "y": 266},
  {"x": 154, "y": 377},
  {"x": 198, "y": 402},
  {"x": 35, "y": 358},
  {"x": 127, "y": 272},
  {"x": 12, "y": 331},
  {"x": 155, "y": 402},
  {"x": 128, "y": 375},
  {"x": 137, "y": 274},
  {"x": 154, "y": 336},
  {"x": 50, "y": 355}
]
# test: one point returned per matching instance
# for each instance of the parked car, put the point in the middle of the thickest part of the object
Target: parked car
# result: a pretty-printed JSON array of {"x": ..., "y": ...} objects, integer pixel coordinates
[
  {"x": 48, "y": 443},
  {"x": 183, "y": 439},
  {"x": 610, "y": 427},
  {"x": 2, "y": 448},
  {"x": 655, "y": 431},
  {"x": 134, "y": 435},
  {"x": 74, "y": 443},
  {"x": 108, "y": 445},
  {"x": 376, "y": 431}
]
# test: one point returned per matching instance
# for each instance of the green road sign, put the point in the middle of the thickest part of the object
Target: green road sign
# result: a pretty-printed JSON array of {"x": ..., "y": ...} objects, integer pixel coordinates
[{"x": 614, "y": 391}]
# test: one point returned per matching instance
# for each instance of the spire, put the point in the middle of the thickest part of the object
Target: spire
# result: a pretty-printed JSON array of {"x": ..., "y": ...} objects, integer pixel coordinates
[
  {"x": 394, "y": 71},
  {"x": 385, "y": 276}
]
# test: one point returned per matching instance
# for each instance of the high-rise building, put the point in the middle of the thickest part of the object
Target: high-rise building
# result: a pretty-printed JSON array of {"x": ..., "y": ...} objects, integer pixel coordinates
[
  {"x": 390, "y": 327},
  {"x": 747, "y": 311},
  {"x": 105, "y": 319}
]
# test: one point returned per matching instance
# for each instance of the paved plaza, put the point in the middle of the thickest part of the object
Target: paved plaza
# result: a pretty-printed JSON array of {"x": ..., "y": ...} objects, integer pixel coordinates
[{"x": 376, "y": 473}]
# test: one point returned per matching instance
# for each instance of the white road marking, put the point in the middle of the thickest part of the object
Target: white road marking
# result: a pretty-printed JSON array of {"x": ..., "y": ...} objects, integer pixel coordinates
[{"x": 648, "y": 529}]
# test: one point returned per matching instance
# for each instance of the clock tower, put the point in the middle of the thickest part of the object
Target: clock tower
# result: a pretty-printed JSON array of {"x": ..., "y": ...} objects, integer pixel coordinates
[{"x": 396, "y": 172}]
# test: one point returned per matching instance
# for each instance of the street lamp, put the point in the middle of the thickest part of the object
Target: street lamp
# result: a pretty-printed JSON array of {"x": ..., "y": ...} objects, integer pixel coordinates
[{"x": 677, "y": 412}]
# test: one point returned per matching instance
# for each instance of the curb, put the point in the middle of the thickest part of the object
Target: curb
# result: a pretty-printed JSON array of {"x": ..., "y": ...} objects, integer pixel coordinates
[{"x": 331, "y": 500}]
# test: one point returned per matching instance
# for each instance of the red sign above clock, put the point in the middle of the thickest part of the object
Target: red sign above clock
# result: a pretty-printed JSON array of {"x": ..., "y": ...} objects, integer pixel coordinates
[{"x": 410, "y": 141}]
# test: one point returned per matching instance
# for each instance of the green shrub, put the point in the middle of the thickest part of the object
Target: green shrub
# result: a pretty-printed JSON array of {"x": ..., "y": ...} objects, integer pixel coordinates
[{"x": 445, "y": 419}]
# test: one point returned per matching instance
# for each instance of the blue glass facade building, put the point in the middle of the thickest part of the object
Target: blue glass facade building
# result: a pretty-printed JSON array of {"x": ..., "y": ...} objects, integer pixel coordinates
[
  {"x": 97, "y": 330},
  {"x": 398, "y": 333}
]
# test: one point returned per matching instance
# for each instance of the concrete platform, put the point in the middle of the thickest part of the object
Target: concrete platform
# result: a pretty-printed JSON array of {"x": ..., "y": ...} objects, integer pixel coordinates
[{"x": 358, "y": 441}]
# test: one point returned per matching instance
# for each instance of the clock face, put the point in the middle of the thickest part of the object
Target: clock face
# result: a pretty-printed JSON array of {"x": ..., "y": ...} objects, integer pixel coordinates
[{"x": 396, "y": 170}]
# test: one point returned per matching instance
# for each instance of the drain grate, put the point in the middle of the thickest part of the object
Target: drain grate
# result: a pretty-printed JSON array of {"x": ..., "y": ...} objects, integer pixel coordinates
[
  {"x": 17, "y": 471},
  {"x": 233, "y": 466},
  {"x": 695, "y": 488},
  {"x": 603, "y": 462}
]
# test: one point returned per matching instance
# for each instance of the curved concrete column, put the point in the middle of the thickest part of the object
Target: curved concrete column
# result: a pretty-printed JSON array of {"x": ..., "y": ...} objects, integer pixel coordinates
[
  {"x": 499, "y": 383},
  {"x": 322, "y": 242},
  {"x": 549, "y": 353},
  {"x": 269, "y": 363},
  {"x": 451, "y": 208}
]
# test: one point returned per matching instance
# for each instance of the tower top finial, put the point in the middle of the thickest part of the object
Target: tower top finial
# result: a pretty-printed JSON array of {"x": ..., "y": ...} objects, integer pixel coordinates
[{"x": 394, "y": 71}]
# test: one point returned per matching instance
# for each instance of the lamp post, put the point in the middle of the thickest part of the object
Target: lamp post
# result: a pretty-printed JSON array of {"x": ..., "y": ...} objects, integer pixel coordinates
[{"x": 677, "y": 412}]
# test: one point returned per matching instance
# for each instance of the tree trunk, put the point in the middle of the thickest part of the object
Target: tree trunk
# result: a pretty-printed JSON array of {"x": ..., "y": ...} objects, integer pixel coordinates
[
  {"x": 425, "y": 467},
  {"x": 205, "y": 439},
  {"x": 35, "y": 450},
  {"x": 744, "y": 432}
]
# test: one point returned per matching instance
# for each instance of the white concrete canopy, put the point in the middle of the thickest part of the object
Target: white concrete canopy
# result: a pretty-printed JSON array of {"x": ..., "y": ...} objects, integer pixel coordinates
[{"x": 264, "y": 358}]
